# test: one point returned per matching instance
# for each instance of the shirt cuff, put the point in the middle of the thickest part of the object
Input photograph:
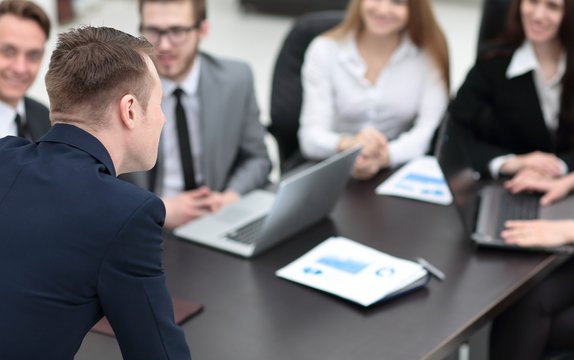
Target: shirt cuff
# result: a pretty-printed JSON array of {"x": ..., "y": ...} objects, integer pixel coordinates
[
  {"x": 563, "y": 167},
  {"x": 495, "y": 164}
]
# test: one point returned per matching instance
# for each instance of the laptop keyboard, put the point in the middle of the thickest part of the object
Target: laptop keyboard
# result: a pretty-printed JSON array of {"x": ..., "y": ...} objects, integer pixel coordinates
[
  {"x": 517, "y": 207},
  {"x": 248, "y": 232}
]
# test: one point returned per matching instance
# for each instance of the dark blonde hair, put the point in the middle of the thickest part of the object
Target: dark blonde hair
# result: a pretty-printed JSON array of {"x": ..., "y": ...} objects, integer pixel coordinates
[
  {"x": 198, "y": 6},
  {"x": 422, "y": 28},
  {"x": 27, "y": 10},
  {"x": 91, "y": 67}
]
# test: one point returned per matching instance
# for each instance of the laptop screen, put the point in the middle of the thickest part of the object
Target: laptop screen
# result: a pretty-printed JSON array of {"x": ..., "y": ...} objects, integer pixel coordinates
[{"x": 462, "y": 180}]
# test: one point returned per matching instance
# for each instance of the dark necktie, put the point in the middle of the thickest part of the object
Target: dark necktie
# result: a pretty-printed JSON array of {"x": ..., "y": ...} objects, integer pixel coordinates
[
  {"x": 184, "y": 142},
  {"x": 21, "y": 131}
]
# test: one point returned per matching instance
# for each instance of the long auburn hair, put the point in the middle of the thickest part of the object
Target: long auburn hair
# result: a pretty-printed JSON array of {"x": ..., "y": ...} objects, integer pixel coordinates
[
  {"x": 513, "y": 36},
  {"x": 422, "y": 28}
]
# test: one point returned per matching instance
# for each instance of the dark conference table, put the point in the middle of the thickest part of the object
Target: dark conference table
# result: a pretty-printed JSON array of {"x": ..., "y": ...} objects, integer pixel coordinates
[{"x": 250, "y": 314}]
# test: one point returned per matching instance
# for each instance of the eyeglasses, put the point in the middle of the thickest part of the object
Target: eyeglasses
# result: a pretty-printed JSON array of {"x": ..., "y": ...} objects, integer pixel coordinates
[{"x": 175, "y": 34}]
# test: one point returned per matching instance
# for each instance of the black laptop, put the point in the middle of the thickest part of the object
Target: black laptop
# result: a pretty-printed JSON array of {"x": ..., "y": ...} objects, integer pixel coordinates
[{"x": 486, "y": 207}]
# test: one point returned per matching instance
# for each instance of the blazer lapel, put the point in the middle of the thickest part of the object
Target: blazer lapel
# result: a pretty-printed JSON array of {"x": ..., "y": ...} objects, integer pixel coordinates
[
  {"x": 209, "y": 108},
  {"x": 528, "y": 105},
  {"x": 38, "y": 121}
]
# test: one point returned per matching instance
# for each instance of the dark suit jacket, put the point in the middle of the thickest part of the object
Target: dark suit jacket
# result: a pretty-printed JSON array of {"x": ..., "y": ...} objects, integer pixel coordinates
[
  {"x": 78, "y": 243},
  {"x": 234, "y": 152},
  {"x": 498, "y": 116},
  {"x": 37, "y": 118}
]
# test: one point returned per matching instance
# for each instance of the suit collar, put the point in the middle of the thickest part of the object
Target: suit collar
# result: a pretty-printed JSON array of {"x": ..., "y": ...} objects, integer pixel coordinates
[
  {"x": 350, "y": 57},
  {"x": 7, "y": 115},
  {"x": 82, "y": 140},
  {"x": 524, "y": 60},
  {"x": 19, "y": 107},
  {"x": 211, "y": 113}
]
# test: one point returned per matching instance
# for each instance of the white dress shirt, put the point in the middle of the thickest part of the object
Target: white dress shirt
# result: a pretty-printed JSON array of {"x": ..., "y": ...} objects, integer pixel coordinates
[
  {"x": 172, "y": 182},
  {"x": 406, "y": 103},
  {"x": 523, "y": 61},
  {"x": 7, "y": 116}
]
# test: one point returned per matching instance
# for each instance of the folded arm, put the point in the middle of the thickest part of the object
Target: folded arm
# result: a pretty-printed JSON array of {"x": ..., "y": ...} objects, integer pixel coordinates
[{"x": 471, "y": 112}]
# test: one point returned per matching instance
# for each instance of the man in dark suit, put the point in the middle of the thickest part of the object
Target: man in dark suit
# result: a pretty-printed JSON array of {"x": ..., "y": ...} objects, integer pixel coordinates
[
  {"x": 24, "y": 29},
  {"x": 78, "y": 243},
  {"x": 215, "y": 151}
]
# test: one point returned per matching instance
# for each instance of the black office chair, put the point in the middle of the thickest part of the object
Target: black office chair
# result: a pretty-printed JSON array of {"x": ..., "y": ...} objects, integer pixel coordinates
[
  {"x": 286, "y": 90},
  {"x": 293, "y": 7}
]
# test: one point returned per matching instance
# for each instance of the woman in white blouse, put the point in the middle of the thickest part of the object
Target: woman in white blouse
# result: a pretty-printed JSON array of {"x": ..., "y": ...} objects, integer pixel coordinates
[{"x": 379, "y": 79}]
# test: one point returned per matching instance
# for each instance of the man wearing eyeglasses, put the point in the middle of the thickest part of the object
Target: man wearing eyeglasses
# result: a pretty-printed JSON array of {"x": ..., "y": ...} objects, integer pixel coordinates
[
  {"x": 212, "y": 148},
  {"x": 24, "y": 29}
]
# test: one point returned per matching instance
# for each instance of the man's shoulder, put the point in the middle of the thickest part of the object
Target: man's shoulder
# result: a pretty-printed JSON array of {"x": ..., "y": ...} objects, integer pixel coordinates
[
  {"x": 142, "y": 205},
  {"x": 127, "y": 191},
  {"x": 124, "y": 202},
  {"x": 224, "y": 65},
  {"x": 12, "y": 142}
]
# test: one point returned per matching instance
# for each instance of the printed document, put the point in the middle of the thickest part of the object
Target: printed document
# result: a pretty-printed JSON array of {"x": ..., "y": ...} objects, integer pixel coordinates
[
  {"x": 419, "y": 179},
  {"x": 354, "y": 271}
]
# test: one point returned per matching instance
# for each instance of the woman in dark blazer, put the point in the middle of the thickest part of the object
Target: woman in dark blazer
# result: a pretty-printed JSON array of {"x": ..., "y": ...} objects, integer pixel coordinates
[
  {"x": 516, "y": 114},
  {"x": 516, "y": 106}
]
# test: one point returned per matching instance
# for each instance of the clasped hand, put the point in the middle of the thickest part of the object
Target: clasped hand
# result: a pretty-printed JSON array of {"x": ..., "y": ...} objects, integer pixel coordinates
[
  {"x": 192, "y": 204},
  {"x": 374, "y": 154}
]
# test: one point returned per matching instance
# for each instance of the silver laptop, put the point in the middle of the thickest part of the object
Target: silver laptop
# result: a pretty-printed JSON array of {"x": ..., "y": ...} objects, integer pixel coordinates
[
  {"x": 485, "y": 210},
  {"x": 262, "y": 219}
]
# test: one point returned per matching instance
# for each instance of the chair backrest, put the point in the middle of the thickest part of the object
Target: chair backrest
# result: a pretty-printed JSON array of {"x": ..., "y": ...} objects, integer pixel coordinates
[
  {"x": 494, "y": 14},
  {"x": 293, "y": 7},
  {"x": 286, "y": 90}
]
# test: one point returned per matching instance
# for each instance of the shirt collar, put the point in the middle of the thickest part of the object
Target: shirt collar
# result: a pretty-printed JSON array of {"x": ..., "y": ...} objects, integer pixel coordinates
[
  {"x": 524, "y": 60},
  {"x": 8, "y": 111},
  {"x": 350, "y": 53},
  {"x": 189, "y": 85},
  {"x": 405, "y": 50},
  {"x": 21, "y": 108}
]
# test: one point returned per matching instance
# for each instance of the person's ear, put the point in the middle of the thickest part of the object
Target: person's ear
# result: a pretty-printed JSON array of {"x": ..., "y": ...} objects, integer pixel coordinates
[
  {"x": 129, "y": 110},
  {"x": 203, "y": 29}
]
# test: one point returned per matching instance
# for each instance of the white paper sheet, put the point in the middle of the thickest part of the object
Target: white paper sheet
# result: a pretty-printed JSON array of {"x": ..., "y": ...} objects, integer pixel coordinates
[
  {"x": 352, "y": 271},
  {"x": 419, "y": 179}
]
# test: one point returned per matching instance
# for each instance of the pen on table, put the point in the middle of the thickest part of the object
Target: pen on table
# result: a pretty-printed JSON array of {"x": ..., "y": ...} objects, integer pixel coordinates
[{"x": 431, "y": 268}]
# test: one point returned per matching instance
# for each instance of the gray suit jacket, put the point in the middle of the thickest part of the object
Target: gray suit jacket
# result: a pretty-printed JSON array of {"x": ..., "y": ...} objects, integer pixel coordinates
[{"x": 234, "y": 154}]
